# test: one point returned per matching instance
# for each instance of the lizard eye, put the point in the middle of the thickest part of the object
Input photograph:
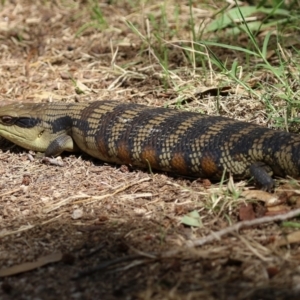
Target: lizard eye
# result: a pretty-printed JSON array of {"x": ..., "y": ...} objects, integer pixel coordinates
[{"x": 7, "y": 120}]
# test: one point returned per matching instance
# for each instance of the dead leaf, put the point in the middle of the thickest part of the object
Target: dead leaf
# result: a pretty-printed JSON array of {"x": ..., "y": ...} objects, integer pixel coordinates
[
  {"x": 290, "y": 194},
  {"x": 206, "y": 183},
  {"x": 277, "y": 210},
  {"x": 295, "y": 201},
  {"x": 246, "y": 212},
  {"x": 272, "y": 271},
  {"x": 269, "y": 199},
  {"x": 291, "y": 238}
]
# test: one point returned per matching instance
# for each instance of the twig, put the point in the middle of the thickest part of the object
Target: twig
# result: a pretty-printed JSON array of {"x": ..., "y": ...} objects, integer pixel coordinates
[
  {"x": 54, "y": 206},
  {"x": 193, "y": 243},
  {"x": 236, "y": 227},
  {"x": 117, "y": 190},
  {"x": 6, "y": 232},
  {"x": 10, "y": 192}
]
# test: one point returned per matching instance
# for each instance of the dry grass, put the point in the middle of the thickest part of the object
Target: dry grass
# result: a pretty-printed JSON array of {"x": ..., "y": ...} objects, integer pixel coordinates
[{"x": 112, "y": 224}]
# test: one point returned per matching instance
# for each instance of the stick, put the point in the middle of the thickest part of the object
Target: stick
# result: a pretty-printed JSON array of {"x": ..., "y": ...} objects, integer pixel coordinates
[{"x": 236, "y": 227}]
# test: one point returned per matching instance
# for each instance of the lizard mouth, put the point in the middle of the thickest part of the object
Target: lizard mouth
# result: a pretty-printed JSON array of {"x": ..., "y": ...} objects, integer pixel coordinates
[{"x": 8, "y": 135}]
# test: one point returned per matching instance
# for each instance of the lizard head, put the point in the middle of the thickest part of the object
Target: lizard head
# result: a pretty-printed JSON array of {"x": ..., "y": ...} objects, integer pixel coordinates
[{"x": 21, "y": 124}]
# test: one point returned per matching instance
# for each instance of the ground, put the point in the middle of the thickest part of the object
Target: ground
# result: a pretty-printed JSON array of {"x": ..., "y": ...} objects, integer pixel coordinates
[{"x": 111, "y": 231}]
